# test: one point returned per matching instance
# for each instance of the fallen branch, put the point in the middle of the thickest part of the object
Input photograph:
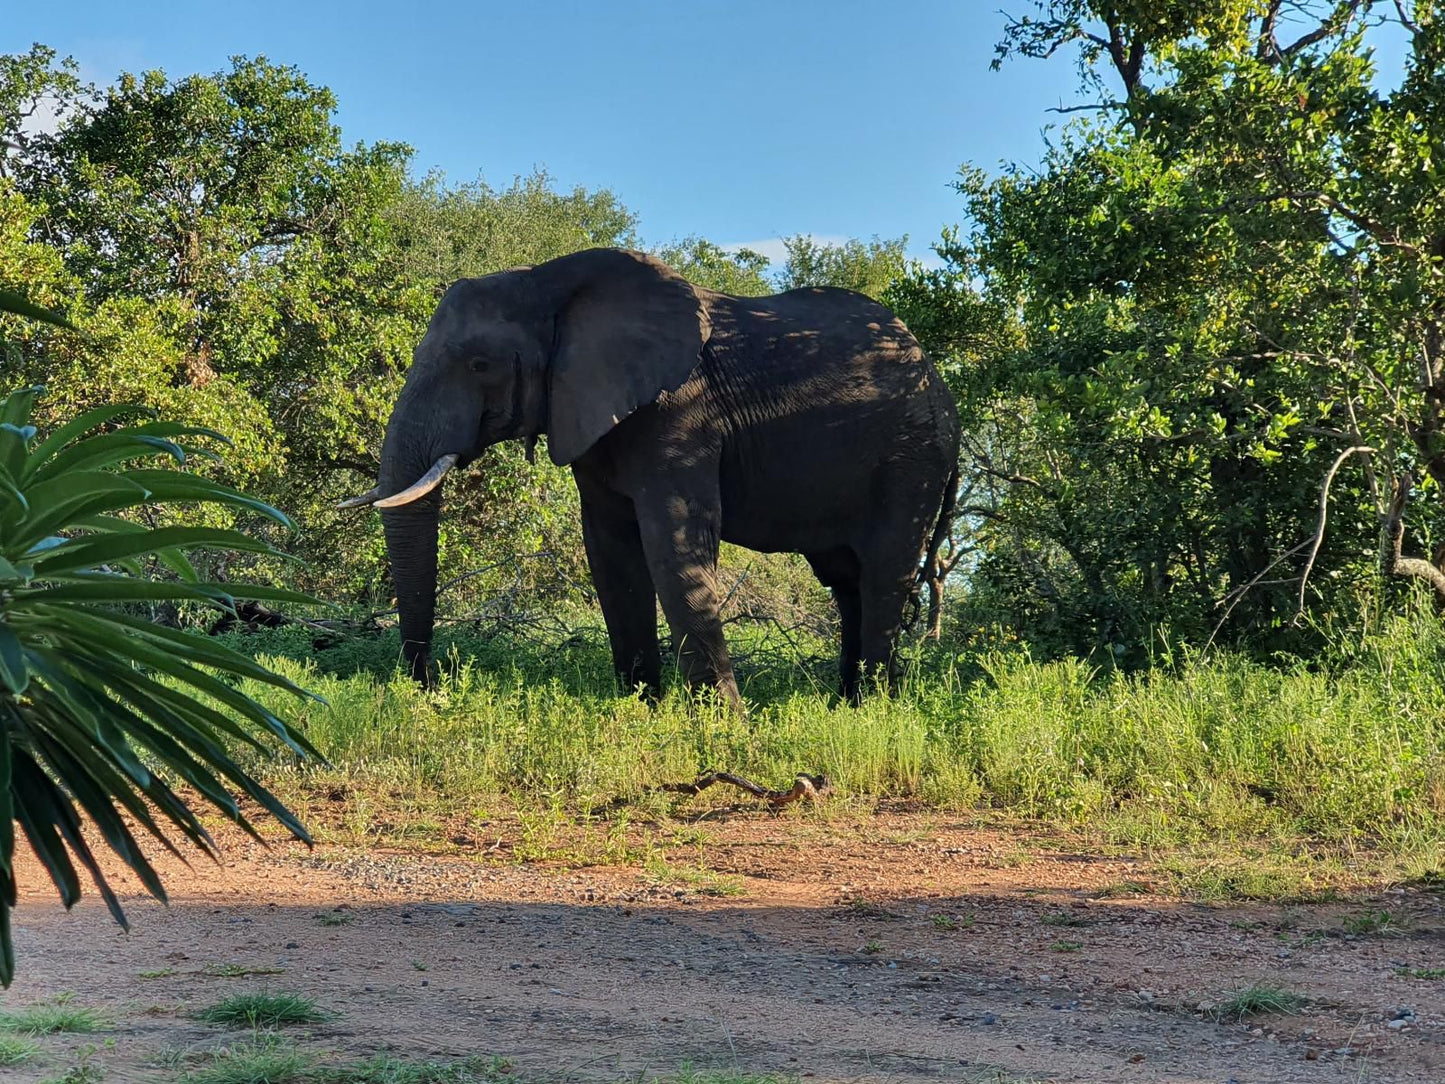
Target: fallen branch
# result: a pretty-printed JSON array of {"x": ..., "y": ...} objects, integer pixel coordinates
[{"x": 809, "y": 787}]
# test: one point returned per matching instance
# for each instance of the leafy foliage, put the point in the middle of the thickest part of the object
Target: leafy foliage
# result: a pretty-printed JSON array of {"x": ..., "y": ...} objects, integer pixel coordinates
[
  {"x": 1227, "y": 377},
  {"x": 104, "y": 713}
]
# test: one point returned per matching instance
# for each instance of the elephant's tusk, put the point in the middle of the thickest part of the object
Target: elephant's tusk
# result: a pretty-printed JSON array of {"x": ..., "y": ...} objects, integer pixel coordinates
[
  {"x": 366, "y": 498},
  {"x": 423, "y": 485}
]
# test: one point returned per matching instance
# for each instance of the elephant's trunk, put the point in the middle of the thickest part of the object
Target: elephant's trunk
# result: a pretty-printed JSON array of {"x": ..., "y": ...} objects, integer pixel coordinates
[
  {"x": 408, "y": 453},
  {"x": 411, "y": 546}
]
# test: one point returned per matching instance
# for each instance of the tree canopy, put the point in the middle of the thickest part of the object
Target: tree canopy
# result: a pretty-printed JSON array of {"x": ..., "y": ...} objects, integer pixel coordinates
[{"x": 1225, "y": 281}]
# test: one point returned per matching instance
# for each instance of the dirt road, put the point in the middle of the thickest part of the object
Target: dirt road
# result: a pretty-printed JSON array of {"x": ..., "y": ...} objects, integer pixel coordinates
[{"x": 907, "y": 949}]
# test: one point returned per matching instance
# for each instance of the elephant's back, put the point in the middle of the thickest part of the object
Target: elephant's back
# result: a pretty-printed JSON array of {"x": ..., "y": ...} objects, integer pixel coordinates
[{"x": 824, "y": 398}]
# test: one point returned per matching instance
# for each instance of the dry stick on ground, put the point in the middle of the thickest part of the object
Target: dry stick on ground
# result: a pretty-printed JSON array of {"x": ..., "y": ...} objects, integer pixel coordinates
[{"x": 805, "y": 787}]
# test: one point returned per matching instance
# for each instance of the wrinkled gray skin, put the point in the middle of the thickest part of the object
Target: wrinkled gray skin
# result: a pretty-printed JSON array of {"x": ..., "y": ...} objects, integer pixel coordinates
[{"x": 809, "y": 422}]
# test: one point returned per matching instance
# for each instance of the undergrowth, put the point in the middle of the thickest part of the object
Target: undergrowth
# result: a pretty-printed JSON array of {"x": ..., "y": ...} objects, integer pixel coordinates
[{"x": 1348, "y": 748}]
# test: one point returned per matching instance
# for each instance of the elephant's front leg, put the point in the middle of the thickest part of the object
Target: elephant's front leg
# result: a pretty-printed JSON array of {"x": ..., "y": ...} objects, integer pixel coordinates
[
  {"x": 624, "y": 590},
  {"x": 680, "y": 535}
]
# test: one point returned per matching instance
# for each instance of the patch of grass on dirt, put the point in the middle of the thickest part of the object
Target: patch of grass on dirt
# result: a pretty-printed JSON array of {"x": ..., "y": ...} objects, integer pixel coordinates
[
  {"x": 53, "y": 1018},
  {"x": 84, "y": 1073},
  {"x": 871, "y": 909},
  {"x": 950, "y": 923},
  {"x": 1255, "y": 874},
  {"x": 699, "y": 878},
  {"x": 1258, "y": 1000},
  {"x": 14, "y": 1050},
  {"x": 272, "y": 1060},
  {"x": 1431, "y": 880},
  {"x": 238, "y": 971},
  {"x": 254, "y": 1063},
  {"x": 263, "y": 1011},
  {"x": 1421, "y": 972},
  {"x": 1066, "y": 946},
  {"x": 157, "y": 973},
  {"x": 336, "y": 917},
  {"x": 1065, "y": 918},
  {"x": 1123, "y": 890},
  {"x": 1372, "y": 922}
]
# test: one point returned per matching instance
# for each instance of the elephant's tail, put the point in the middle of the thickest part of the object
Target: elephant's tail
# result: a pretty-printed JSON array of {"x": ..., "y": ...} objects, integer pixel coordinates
[{"x": 940, "y": 529}]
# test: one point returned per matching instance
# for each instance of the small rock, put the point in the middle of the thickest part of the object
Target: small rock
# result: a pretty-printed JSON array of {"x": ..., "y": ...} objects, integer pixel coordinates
[
  {"x": 1396, "y": 1025},
  {"x": 292, "y": 944},
  {"x": 989, "y": 1018}
]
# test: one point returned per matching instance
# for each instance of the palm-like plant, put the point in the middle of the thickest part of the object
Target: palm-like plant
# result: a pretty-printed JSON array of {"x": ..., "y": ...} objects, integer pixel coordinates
[{"x": 103, "y": 714}]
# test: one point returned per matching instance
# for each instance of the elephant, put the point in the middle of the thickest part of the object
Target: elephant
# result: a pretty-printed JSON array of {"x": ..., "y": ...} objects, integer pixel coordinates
[{"x": 810, "y": 421}]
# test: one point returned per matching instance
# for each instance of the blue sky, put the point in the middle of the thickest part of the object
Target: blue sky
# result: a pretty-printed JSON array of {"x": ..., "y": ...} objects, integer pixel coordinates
[{"x": 740, "y": 121}]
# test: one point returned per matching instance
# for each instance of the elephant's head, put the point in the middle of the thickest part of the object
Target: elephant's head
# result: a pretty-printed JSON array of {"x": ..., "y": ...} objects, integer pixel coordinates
[{"x": 567, "y": 348}]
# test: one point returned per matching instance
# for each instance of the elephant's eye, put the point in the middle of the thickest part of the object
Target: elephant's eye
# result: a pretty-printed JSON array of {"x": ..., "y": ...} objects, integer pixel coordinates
[{"x": 477, "y": 364}]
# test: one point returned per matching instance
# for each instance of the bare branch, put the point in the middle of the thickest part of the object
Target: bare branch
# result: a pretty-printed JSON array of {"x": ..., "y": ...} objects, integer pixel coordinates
[
  {"x": 1408, "y": 23},
  {"x": 1319, "y": 535},
  {"x": 1333, "y": 24},
  {"x": 1267, "y": 47},
  {"x": 1091, "y": 106},
  {"x": 1238, "y": 593},
  {"x": 1393, "y": 532}
]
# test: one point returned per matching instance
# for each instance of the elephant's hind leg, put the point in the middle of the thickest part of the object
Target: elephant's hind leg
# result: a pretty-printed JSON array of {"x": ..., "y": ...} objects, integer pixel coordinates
[
  {"x": 891, "y": 559},
  {"x": 680, "y": 536},
  {"x": 837, "y": 569},
  {"x": 624, "y": 590}
]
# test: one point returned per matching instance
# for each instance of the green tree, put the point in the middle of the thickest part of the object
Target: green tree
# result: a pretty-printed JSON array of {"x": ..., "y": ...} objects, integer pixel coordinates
[
  {"x": 741, "y": 272},
  {"x": 1225, "y": 283},
  {"x": 868, "y": 267}
]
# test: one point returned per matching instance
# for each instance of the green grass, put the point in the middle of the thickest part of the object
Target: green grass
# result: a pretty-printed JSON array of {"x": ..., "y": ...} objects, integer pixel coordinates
[
  {"x": 335, "y": 918},
  {"x": 255, "y": 1063},
  {"x": 1259, "y": 1000},
  {"x": 14, "y": 1050},
  {"x": 263, "y": 1011},
  {"x": 1278, "y": 870},
  {"x": 264, "y": 1062},
  {"x": 1209, "y": 749},
  {"x": 52, "y": 1018},
  {"x": 157, "y": 973},
  {"x": 1421, "y": 972},
  {"x": 271, "y": 1060},
  {"x": 84, "y": 1073},
  {"x": 698, "y": 878},
  {"x": 1066, "y": 946},
  {"x": 1372, "y": 922}
]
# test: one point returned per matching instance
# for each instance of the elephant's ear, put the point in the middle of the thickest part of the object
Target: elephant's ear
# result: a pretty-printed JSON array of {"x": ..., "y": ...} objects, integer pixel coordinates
[{"x": 628, "y": 329}]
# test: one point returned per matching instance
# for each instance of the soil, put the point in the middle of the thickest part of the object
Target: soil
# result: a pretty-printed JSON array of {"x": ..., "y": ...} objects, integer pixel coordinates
[{"x": 899, "y": 948}]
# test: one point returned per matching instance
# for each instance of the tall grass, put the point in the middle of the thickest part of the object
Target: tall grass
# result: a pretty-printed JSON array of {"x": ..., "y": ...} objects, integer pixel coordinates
[{"x": 1351, "y": 746}]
